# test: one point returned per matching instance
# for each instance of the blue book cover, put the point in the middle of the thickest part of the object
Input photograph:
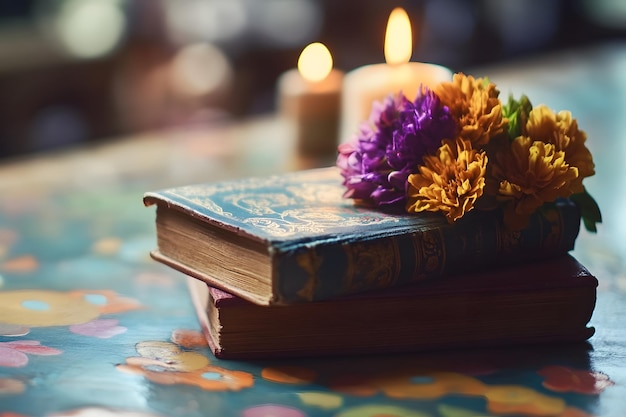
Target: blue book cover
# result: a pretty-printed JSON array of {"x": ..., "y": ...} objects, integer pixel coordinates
[{"x": 312, "y": 244}]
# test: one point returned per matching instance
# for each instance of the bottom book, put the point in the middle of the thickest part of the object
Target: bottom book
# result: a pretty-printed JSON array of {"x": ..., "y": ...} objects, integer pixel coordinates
[{"x": 548, "y": 301}]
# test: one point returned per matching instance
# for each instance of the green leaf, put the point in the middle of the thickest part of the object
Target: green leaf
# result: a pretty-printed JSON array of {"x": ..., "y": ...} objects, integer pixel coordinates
[
  {"x": 589, "y": 210},
  {"x": 517, "y": 112}
]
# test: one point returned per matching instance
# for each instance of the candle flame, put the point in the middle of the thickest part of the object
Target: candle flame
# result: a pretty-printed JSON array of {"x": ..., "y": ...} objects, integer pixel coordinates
[
  {"x": 315, "y": 62},
  {"x": 398, "y": 37}
]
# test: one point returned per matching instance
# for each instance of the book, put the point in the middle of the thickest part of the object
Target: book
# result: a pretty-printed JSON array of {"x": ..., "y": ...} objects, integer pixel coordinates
[
  {"x": 294, "y": 238},
  {"x": 547, "y": 301}
]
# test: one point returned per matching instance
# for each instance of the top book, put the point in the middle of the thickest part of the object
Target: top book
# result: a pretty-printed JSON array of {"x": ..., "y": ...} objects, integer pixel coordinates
[{"x": 293, "y": 238}]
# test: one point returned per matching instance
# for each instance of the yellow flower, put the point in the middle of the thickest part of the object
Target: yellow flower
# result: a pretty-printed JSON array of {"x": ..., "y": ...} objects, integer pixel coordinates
[
  {"x": 561, "y": 130},
  {"x": 449, "y": 182},
  {"x": 475, "y": 105},
  {"x": 530, "y": 173}
]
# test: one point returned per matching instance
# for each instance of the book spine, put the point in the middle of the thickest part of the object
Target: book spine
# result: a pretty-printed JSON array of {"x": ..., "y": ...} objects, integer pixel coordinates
[{"x": 331, "y": 270}]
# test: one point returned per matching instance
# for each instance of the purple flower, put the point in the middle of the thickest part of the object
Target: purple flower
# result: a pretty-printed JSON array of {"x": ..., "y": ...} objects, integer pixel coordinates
[{"x": 391, "y": 145}]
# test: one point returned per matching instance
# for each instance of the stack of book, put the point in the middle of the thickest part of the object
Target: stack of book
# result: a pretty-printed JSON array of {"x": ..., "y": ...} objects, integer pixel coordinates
[{"x": 285, "y": 266}]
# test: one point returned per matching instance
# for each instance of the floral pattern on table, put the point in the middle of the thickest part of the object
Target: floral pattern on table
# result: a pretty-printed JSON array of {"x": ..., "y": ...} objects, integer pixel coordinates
[
  {"x": 432, "y": 385},
  {"x": 15, "y": 354},
  {"x": 102, "y": 329},
  {"x": 166, "y": 363},
  {"x": 10, "y": 386},
  {"x": 91, "y": 324},
  {"x": 80, "y": 310},
  {"x": 582, "y": 381}
]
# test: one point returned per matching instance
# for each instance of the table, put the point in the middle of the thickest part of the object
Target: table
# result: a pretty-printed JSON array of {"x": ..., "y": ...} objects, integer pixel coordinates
[{"x": 107, "y": 331}]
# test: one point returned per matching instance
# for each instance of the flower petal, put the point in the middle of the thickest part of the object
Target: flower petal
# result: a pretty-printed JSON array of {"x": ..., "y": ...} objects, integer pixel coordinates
[{"x": 12, "y": 358}]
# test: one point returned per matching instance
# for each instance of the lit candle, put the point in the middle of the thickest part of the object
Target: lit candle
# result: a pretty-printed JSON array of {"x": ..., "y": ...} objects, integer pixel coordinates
[
  {"x": 309, "y": 97},
  {"x": 370, "y": 83}
]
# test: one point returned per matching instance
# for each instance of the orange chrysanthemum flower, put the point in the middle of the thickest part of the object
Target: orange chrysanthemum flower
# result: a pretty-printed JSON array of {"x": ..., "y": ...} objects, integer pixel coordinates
[
  {"x": 449, "y": 182},
  {"x": 475, "y": 105},
  {"x": 530, "y": 173},
  {"x": 561, "y": 130}
]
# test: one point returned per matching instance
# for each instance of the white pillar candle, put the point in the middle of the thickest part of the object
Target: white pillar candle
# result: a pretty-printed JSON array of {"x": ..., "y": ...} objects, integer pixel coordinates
[
  {"x": 365, "y": 85},
  {"x": 309, "y": 98}
]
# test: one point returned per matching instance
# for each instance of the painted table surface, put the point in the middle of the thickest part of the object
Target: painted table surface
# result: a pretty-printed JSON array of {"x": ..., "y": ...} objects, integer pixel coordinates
[{"x": 89, "y": 325}]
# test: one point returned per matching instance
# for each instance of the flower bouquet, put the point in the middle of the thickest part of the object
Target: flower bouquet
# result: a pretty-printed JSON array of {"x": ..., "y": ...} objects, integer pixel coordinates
[{"x": 457, "y": 148}]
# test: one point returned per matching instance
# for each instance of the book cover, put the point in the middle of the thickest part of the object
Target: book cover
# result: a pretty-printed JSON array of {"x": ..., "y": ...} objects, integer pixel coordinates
[
  {"x": 294, "y": 238},
  {"x": 543, "y": 302}
]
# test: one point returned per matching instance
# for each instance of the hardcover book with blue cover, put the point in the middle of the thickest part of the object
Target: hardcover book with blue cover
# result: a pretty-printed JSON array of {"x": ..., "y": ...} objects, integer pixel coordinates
[{"x": 294, "y": 238}]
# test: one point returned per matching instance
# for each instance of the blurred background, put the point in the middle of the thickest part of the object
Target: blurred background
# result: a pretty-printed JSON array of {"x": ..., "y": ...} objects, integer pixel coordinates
[{"x": 77, "y": 71}]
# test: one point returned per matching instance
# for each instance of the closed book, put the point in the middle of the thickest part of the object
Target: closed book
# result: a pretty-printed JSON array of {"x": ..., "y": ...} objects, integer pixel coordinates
[
  {"x": 548, "y": 301},
  {"x": 294, "y": 238}
]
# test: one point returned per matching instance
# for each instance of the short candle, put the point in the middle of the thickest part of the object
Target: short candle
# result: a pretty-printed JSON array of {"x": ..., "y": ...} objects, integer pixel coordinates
[
  {"x": 365, "y": 85},
  {"x": 309, "y": 97}
]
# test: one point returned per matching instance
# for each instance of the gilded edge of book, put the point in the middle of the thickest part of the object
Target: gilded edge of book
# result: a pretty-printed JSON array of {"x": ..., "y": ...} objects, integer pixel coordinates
[{"x": 323, "y": 246}]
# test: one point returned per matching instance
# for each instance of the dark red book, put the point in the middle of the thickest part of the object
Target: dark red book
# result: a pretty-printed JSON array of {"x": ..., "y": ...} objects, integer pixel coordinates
[{"x": 542, "y": 302}]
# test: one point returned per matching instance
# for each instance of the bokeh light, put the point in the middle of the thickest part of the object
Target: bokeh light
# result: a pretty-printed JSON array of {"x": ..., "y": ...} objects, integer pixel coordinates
[
  {"x": 90, "y": 28},
  {"x": 200, "y": 69}
]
